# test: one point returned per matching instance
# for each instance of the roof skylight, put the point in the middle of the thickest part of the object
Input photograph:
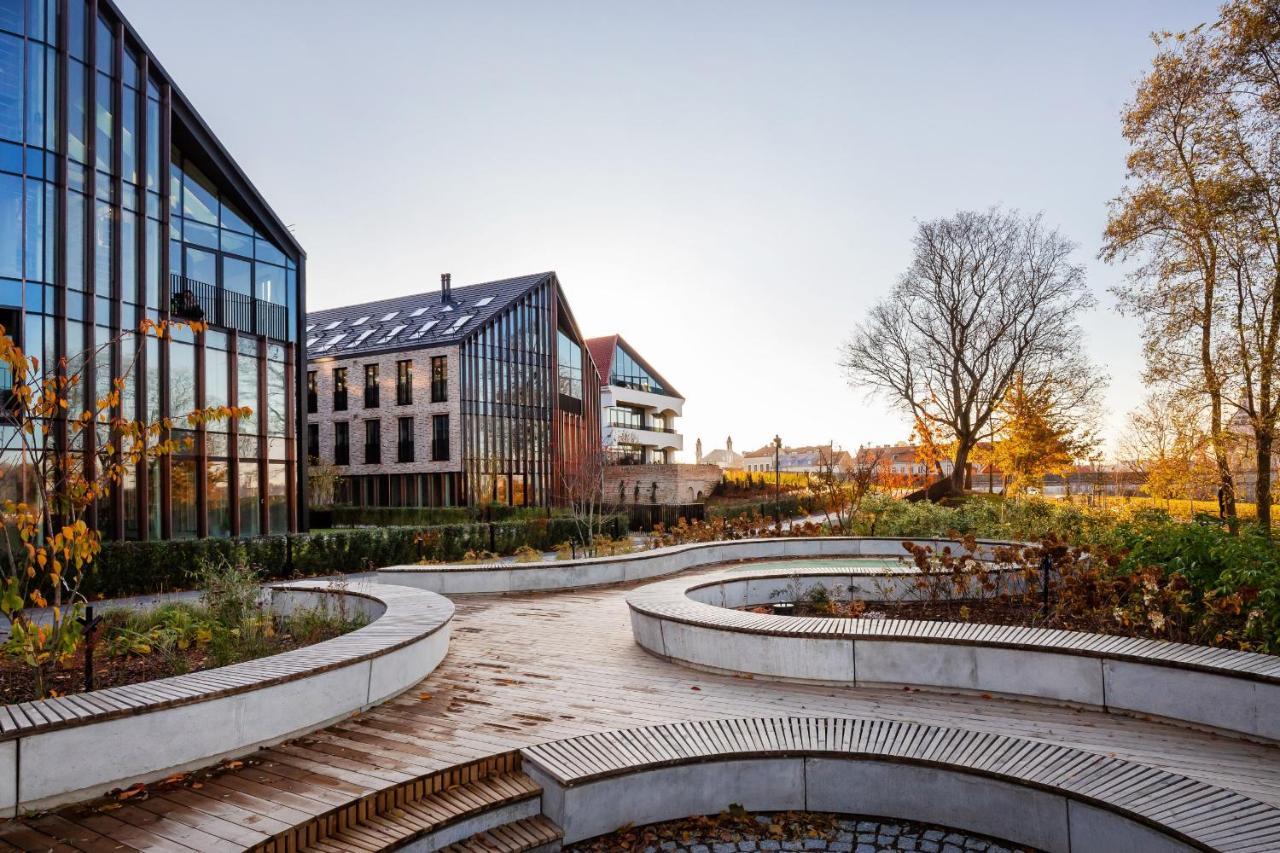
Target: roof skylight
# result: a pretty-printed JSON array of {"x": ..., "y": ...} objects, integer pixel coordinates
[
  {"x": 332, "y": 325},
  {"x": 361, "y": 321},
  {"x": 485, "y": 301},
  {"x": 426, "y": 327},
  {"x": 332, "y": 342},
  {"x": 391, "y": 334},
  {"x": 418, "y": 312},
  {"x": 390, "y": 315},
  {"x": 366, "y": 333},
  {"x": 460, "y": 322}
]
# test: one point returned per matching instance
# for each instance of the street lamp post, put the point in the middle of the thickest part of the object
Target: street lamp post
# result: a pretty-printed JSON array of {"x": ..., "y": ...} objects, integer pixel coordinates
[{"x": 777, "y": 483}]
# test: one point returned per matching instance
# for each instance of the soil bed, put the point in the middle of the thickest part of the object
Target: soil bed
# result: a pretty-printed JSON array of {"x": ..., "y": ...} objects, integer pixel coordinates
[{"x": 17, "y": 681}]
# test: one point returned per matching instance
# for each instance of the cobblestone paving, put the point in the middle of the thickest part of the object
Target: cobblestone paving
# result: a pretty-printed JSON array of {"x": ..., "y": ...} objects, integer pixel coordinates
[{"x": 841, "y": 834}]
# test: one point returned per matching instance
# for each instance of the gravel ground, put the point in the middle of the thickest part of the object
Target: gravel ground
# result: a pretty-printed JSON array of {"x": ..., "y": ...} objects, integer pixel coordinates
[{"x": 740, "y": 833}]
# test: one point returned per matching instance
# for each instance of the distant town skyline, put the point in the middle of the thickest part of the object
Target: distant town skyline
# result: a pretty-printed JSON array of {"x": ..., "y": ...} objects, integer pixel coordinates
[{"x": 729, "y": 186}]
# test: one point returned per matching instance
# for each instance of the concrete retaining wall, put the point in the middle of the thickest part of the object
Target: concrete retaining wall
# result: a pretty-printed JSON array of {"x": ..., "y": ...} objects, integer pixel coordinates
[
  {"x": 461, "y": 579},
  {"x": 75, "y": 747},
  {"x": 1045, "y": 820}
]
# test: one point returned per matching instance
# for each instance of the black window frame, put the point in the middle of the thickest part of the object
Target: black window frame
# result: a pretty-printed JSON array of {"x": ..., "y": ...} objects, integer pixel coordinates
[
  {"x": 313, "y": 442},
  {"x": 342, "y": 443},
  {"x": 440, "y": 438},
  {"x": 404, "y": 447},
  {"x": 373, "y": 449},
  {"x": 404, "y": 382},
  {"x": 312, "y": 401},
  {"x": 339, "y": 389},
  {"x": 439, "y": 378},
  {"x": 371, "y": 397}
]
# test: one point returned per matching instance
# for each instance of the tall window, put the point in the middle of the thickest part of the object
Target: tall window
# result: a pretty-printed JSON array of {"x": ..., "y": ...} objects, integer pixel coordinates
[
  {"x": 342, "y": 444},
  {"x": 439, "y": 438},
  {"x": 439, "y": 378},
  {"x": 404, "y": 440},
  {"x": 371, "y": 386},
  {"x": 404, "y": 383},
  {"x": 568, "y": 365},
  {"x": 313, "y": 442},
  {"x": 372, "y": 442},
  {"x": 339, "y": 389},
  {"x": 311, "y": 392}
]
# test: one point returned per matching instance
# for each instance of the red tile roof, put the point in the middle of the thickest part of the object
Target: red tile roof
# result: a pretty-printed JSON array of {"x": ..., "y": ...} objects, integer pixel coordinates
[{"x": 601, "y": 350}]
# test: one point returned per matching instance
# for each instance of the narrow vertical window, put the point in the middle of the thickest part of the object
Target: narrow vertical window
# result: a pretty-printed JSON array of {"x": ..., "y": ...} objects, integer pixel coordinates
[
  {"x": 371, "y": 386},
  {"x": 311, "y": 392},
  {"x": 339, "y": 389},
  {"x": 372, "y": 442},
  {"x": 440, "y": 438},
  {"x": 404, "y": 383},
  {"x": 439, "y": 378},
  {"x": 404, "y": 440}
]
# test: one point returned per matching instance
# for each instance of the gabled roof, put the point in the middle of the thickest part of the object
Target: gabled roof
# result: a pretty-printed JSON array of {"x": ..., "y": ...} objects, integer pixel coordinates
[
  {"x": 413, "y": 312},
  {"x": 602, "y": 350}
]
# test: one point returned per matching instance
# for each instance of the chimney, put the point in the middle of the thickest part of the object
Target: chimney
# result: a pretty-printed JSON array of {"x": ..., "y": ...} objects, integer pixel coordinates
[{"x": 446, "y": 288}]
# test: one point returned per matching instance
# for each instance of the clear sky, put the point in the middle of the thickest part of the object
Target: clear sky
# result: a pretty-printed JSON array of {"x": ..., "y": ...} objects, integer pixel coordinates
[{"x": 727, "y": 184}]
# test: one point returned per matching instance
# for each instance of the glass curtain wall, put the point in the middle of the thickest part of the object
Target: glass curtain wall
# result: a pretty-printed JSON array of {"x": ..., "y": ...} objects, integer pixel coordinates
[
  {"x": 96, "y": 175},
  {"x": 506, "y": 404}
]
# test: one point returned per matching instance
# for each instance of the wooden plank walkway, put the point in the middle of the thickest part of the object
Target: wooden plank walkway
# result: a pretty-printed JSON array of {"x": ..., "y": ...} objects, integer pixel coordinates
[{"x": 531, "y": 668}]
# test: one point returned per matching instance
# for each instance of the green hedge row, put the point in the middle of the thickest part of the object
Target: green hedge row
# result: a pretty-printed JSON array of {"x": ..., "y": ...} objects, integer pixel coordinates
[
  {"x": 138, "y": 568},
  {"x": 790, "y": 505},
  {"x": 411, "y": 516}
]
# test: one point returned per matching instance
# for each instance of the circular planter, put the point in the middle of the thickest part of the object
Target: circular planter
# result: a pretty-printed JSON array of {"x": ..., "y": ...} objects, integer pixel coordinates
[
  {"x": 682, "y": 620},
  {"x": 74, "y": 747},
  {"x": 464, "y": 579}
]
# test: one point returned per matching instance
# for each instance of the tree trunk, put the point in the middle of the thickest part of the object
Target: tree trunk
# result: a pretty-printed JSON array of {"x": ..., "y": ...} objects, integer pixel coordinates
[
  {"x": 1262, "y": 492},
  {"x": 960, "y": 466},
  {"x": 1220, "y": 456}
]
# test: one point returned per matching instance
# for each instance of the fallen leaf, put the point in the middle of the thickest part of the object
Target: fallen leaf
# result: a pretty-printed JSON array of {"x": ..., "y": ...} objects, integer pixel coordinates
[
  {"x": 424, "y": 696},
  {"x": 695, "y": 688}
]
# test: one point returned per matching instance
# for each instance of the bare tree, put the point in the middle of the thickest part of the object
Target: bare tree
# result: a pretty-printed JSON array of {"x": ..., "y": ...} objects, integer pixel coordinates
[
  {"x": 988, "y": 296},
  {"x": 583, "y": 490},
  {"x": 842, "y": 483}
]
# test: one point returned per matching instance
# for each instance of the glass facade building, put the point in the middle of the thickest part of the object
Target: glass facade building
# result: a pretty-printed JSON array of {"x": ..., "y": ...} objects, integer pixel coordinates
[
  {"x": 506, "y": 396},
  {"x": 118, "y": 203}
]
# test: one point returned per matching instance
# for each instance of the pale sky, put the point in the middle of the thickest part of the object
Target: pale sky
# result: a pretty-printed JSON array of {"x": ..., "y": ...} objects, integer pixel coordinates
[{"x": 728, "y": 185}]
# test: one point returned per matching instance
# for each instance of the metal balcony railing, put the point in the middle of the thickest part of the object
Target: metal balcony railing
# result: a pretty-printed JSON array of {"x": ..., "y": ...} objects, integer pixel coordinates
[{"x": 198, "y": 300}]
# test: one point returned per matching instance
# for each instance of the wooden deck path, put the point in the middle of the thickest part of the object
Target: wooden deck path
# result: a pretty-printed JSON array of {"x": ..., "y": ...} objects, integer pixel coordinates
[{"x": 531, "y": 668}]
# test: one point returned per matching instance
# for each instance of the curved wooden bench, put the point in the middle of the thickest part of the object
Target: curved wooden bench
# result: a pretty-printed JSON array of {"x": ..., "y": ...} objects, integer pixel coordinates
[
  {"x": 77, "y": 746},
  {"x": 1216, "y": 688},
  {"x": 1050, "y": 797},
  {"x": 464, "y": 579}
]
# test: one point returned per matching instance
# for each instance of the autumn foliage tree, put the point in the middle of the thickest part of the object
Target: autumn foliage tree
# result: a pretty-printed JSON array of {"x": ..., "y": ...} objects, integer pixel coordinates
[
  {"x": 70, "y": 456},
  {"x": 1045, "y": 428},
  {"x": 1200, "y": 214}
]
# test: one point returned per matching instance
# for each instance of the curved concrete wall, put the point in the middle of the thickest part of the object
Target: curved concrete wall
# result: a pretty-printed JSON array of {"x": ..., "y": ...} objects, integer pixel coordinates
[
  {"x": 78, "y": 746},
  {"x": 1210, "y": 688},
  {"x": 463, "y": 579},
  {"x": 1049, "y": 797}
]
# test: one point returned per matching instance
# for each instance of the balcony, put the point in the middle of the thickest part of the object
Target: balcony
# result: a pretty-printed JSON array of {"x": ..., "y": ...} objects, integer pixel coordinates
[{"x": 197, "y": 300}]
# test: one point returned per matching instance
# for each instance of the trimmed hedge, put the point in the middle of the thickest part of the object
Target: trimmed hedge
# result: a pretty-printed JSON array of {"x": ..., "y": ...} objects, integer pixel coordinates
[
  {"x": 138, "y": 568},
  {"x": 790, "y": 505},
  {"x": 413, "y": 516}
]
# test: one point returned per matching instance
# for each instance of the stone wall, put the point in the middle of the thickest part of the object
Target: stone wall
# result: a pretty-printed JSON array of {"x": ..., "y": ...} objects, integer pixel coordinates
[{"x": 675, "y": 484}]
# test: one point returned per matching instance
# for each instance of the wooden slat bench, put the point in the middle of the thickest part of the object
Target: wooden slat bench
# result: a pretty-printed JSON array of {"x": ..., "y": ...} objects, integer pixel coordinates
[
  {"x": 74, "y": 747},
  {"x": 1213, "y": 688},
  {"x": 1048, "y": 796}
]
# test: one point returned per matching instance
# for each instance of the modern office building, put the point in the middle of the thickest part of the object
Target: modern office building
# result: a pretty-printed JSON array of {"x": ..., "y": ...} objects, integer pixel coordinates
[
  {"x": 639, "y": 407},
  {"x": 118, "y": 202},
  {"x": 462, "y": 396}
]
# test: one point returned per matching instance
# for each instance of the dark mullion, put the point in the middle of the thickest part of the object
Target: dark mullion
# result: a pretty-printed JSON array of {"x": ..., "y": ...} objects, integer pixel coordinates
[
  {"x": 201, "y": 451},
  {"x": 233, "y": 431},
  {"x": 264, "y": 470},
  {"x": 143, "y": 471},
  {"x": 88, "y": 371},
  {"x": 291, "y": 453},
  {"x": 162, "y": 174},
  {"x": 60, "y": 432},
  {"x": 117, "y": 250},
  {"x": 302, "y": 510}
]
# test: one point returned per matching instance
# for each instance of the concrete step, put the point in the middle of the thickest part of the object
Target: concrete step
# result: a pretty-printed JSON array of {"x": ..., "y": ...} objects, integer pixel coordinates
[
  {"x": 438, "y": 820},
  {"x": 530, "y": 835}
]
